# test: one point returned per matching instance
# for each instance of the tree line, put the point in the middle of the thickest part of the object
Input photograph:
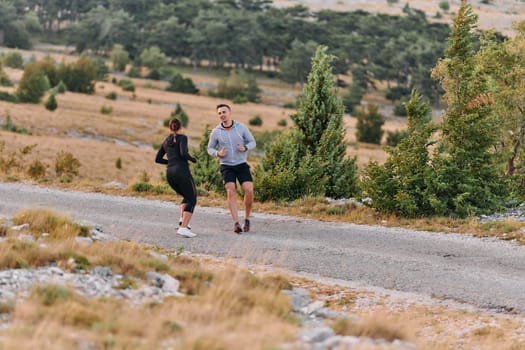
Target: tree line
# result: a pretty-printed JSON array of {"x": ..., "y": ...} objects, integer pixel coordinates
[{"x": 248, "y": 34}]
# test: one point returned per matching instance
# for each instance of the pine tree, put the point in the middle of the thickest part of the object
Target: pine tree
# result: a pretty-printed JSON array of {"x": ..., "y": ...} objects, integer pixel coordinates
[
  {"x": 468, "y": 178},
  {"x": 401, "y": 184},
  {"x": 51, "y": 103},
  {"x": 206, "y": 171},
  {"x": 312, "y": 160}
]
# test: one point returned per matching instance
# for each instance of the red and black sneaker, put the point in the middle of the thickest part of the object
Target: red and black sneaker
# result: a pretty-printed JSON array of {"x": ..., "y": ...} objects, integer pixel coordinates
[
  {"x": 246, "y": 227},
  {"x": 237, "y": 228}
]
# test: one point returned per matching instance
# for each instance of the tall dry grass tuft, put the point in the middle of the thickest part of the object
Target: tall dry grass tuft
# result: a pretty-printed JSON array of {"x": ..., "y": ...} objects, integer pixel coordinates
[
  {"x": 376, "y": 326},
  {"x": 45, "y": 220},
  {"x": 16, "y": 254}
]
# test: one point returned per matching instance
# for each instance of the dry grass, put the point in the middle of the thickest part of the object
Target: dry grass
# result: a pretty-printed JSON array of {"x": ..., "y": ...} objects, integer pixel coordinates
[
  {"x": 429, "y": 324},
  {"x": 227, "y": 308},
  {"x": 229, "y": 305}
]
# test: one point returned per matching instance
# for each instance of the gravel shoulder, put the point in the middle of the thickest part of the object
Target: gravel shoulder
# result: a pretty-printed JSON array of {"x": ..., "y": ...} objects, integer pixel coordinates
[{"x": 485, "y": 273}]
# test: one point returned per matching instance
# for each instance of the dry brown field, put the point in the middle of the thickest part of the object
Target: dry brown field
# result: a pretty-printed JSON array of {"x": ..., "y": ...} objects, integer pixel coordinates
[{"x": 97, "y": 140}]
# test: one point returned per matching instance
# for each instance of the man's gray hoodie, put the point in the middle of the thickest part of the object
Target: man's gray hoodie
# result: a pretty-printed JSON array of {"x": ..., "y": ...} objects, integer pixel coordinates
[{"x": 229, "y": 138}]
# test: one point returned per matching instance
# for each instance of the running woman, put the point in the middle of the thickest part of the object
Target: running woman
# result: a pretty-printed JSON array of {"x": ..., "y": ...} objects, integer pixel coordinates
[{"x": 178, "y": 174}]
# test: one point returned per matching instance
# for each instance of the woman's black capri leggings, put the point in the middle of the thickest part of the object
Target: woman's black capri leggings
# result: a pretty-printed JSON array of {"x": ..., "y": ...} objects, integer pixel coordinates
[{"x": 180, "y": 179}]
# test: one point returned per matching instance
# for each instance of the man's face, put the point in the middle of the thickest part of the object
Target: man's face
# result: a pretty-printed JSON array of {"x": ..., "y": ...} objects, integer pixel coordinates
[{"x": 224, "y": 114}]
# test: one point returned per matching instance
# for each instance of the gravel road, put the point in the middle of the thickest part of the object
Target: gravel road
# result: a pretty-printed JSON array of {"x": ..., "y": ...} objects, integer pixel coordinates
[{"x": 483, "y": 272}]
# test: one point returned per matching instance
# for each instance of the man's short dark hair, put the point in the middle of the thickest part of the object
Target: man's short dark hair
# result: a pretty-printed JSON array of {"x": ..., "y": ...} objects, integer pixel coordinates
[{"x": 223, "y": 105}]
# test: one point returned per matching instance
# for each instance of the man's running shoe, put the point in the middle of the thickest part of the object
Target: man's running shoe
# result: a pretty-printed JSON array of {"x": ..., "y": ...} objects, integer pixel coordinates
[
  {"x": 246, "y": 227},
  {"x": 237, "y": 228},
  {"x": 184, "y": 231}
]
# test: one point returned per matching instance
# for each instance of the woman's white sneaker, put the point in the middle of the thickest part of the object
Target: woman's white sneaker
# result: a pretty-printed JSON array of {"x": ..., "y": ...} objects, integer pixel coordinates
[{"x": 184, "y": 231}]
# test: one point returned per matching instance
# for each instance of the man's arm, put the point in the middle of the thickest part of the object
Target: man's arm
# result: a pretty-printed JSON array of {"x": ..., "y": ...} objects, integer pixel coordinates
[
  {"x": 249, "y": 139},
  {"x": 213, "y": 143}
]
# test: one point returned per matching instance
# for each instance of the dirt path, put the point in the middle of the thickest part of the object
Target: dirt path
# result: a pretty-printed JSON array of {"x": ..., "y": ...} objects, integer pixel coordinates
[{"x": 485, "y": 273}]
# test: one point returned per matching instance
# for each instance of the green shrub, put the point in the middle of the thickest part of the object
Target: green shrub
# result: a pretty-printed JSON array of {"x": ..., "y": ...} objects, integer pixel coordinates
[
  {"x": 118, "y": 163},
  {"x": 180, "y": 114},
  {"x": 206, "y": 171},
  {"x": 5, "y": 96},
  {"x": 290, "y": 105},
  {"x": 79, "y": 76},
  {"x": 127, "y": 85},
  {"x": 142, "y": 186},
  {"x": 400, "y": 109},
  {"x": 51, "y": 103},
  {"x": 256, "y": 121},
  {"x": 37, "y": 169},
  {"x": 394, "y": 137},
  {"x": 180, "y": 84},
  {"x": 106, "y": 109},
  {"x": 112, "y": 95},
  {"x": 61, "y": 87},
  {"x": 444, "y": 6},
  {"x": 33, "y": 85},
  {"x": 369, "y": 124},
  {"x": 8, "y": 125},
  {"x": 14, "y": 59},
  {"x": 66, "y": 164},
  {"x": 282, "y": 122}
]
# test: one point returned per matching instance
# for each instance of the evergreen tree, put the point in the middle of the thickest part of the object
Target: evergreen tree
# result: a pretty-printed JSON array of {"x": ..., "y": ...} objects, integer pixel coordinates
[
  {"x": 401, "y": 184},
  {"x": 468, "y": 178},
  {"x": 505, "y": 63},
  {"x": 369, "y": 124},
  {"x": 33, "y": 84},
  {"x": 206, "y": 171},
  {"x": 51, "y": 103},
  {"x": 312, "y": 159}
]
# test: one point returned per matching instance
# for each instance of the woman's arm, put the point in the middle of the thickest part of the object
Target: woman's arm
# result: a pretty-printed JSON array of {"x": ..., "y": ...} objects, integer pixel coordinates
[
  {"x": 183, "y": 144},
  {"x": 160, "y": 156}
]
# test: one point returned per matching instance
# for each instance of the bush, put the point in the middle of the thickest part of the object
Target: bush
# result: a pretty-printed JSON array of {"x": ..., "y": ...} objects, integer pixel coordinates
[
  {"x": 352, "y": 98},
  {"x": 79, "y": 76},
  {"x": 394, "y": 137},
  {"x": 61, "y": 87},
  {"x": 369, "y": 124},
  {"x": 33, "y": 85},
  {"x": 119, "y": 57},
  {"x": 282, "y": 122},
  {"x": 14, "y": 59},
  {"x": 51, "y": 103},
  {"x": 37, "y": 169},
  {"x": 397, "y": 93},
  {"x": 118, "y": 163},
  {"x": 5, "y": 96},
  {"x": 444, "y": 5},
  {"x": 400, "y": 109},
  {"x": 180, "y": 114},
  {"x": 238, "y": 87},
  {"x": 256, "y": 121},
  {"x": 66, "y": 164},
  {"x": 180, "y": 84},
  {"x": 112, "y": 95},
  {"x": 126, "y": 85},
  {"x": 106, "y": 110}
]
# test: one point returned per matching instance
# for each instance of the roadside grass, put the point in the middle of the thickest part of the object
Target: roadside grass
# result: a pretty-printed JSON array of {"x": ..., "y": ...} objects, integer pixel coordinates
[
  {"x": 227, "y": 304},
  {"x": 429, "y": 324},
  {"x": 226, "y": 308}
]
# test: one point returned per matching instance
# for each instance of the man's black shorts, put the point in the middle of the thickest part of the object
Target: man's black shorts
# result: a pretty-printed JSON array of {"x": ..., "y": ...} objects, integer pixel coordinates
[{"x": 231, "y": 173}]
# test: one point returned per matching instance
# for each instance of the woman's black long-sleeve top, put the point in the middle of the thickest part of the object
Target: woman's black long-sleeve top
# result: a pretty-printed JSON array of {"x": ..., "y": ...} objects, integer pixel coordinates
[{"x": 176, "y": 148}]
